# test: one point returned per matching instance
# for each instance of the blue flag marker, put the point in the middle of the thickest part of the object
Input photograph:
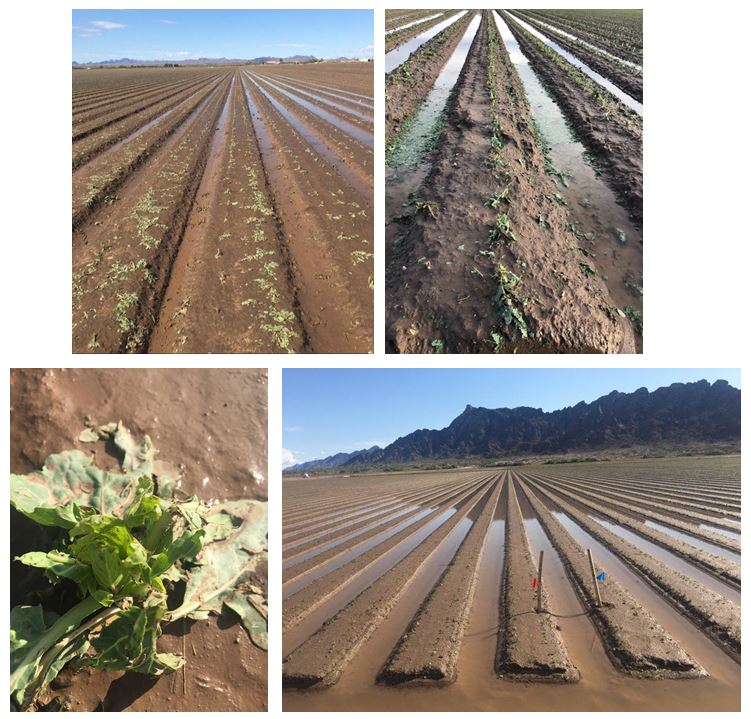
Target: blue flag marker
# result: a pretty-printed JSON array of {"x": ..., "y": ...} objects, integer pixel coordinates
[{"x": 601, "y": 577}]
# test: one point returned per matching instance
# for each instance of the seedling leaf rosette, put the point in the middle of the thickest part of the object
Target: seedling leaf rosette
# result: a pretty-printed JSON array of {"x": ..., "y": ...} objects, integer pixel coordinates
[{"x": 126, "y": 543}]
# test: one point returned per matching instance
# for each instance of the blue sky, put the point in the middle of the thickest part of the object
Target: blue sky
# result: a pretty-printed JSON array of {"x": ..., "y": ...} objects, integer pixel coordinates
[
  {"x": 341, "y": 410},
  {"x": 183, "y": 34}
]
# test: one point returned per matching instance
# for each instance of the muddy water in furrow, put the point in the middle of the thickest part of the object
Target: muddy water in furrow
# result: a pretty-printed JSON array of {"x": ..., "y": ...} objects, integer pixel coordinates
[
  {"x": 296, "y": 558},
  {"x": 194, "y": 240},
  {"x": 296, "y": 584},
  {"x": 695, "y": 541},
  {"x": 368, "y": 117},
  {"x": 336, "y": 309},
  {"x": 351, "y": 176},
  {"x": 112, "y": 150},
  {"x": 400, "y": 54},
  {"x": 667, "y": 557},
  {"x": 358, "y": 133},
  {"x": 601, "y": 687},
  {"x": 408, "y": 164},
  {"x": 601, "y": 221},
  {"x": 626, "y": 99},
  {"x": 410, "y": 24},
  {"x": 415, "y": 142},
  {"x": 294, "y": 636},
  {"x": 351, "y": 97},
  {"x": 721, "y": 667},
  {"x": 597, "y": 48}
]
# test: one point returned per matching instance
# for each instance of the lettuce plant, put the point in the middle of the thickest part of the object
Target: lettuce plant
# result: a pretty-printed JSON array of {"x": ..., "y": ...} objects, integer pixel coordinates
[{"x": 125, "y": 548}]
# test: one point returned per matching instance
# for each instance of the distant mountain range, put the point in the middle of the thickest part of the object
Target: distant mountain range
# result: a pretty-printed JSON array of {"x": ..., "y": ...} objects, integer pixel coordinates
[
  {"x": 678, "y": 415},
  {"x": 127, "y": 61}
]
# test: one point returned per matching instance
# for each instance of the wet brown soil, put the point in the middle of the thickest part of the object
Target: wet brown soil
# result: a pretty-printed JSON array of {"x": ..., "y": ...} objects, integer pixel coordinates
[
  {"x": 530, "y": 647},
  {"x": 636, "y": 643},
  {"x": 617, "y": 146},
  {"x": 210, "y": 428},
  {"x": 213, "y": 301},
  {"x": 329, "y": 232},
  {"x": 190, "y": 242},
  {"x": 477, "y": 687},
  {"x": 718, "y": 617},
  {"x": 408, "y": 85},
  {"x": 611, "y": 69},
  {"x": 394, "y": 39},
  {"x": 321, "y": 659},
  {"x": 447, "y": 280},
  {"x": 429, "y": 649}
]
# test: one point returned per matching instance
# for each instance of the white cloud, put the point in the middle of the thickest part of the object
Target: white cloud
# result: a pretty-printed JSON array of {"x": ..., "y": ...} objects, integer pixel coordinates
[
  {"x": 106, "y": 24},
  {"x": 288, "y": 458},
  {"x": 293, "y": 428},
  {"x": 168, "y": 22}
]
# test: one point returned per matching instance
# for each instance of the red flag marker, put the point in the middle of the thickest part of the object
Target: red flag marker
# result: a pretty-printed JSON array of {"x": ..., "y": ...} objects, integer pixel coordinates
[{"x": 534, "y": 583}]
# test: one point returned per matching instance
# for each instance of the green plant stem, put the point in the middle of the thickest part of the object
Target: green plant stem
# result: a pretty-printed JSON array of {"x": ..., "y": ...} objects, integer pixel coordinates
[{"x": 70, "y": 620}]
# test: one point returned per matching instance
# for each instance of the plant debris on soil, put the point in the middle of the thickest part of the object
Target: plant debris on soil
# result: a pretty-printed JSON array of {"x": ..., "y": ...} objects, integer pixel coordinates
[
  {"x": 224, "y": 209},
  {"x": 503, "y": 262}
]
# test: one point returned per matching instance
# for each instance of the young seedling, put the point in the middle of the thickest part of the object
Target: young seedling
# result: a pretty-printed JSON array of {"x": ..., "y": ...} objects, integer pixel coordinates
[
  {"x": 502, "y": 229},
  {"x": 495, "y": 200}
]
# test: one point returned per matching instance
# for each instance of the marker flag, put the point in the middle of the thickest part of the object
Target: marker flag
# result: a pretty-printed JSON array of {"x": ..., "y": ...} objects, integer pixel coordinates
[
  {"x": 601, "y": 577},
  {"x": 534, "y": 583}
]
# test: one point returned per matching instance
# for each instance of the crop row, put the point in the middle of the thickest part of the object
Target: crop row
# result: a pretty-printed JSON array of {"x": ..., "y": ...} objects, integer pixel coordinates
[{"x": 432, "y": 561}]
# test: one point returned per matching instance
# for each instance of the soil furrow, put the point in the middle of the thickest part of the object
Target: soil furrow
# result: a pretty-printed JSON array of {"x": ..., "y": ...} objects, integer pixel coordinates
[
  {"x": 321, "y": 659},
  {"x": 716, "y": 616},
  {"x": 328, "y": 232},
  {"x": 329, "y": 550},
  {"x": 336, "y": 538},
  {"x": 530, "y": 647},
  {"x": 99, "y": 180},
  {"x": 641, "y": 511},
  {"x": 614, "y": 71},
  {"x": 112, "y": 137},
  {"x": 429, "y": 649},
  {"x": 230, "y": 257},
  {"x": 402, "y": 34},
  {"x": 119, "y": 285},
  {"x": 302, "y": 603},
  {"x": 362, "y": 134},
  {"x": 609, "y": 130},
  {"x": 725, "y": 569},
  {"x": 408, "y": 85},
  {"x": 458, "y": 278},
  {"x": 634, "y": 640}
]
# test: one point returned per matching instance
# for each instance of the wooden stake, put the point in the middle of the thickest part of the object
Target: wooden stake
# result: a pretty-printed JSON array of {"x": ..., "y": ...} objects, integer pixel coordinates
[
  {"x": 594, "y": 577},
  {"x": 539, "y": 582}
]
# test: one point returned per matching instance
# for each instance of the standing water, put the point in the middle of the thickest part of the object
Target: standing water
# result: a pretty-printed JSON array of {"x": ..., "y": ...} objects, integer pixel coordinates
[
  {"x": 400, "y": 54},
  {"x": 627, "y": 100},
  {"x": 616, "y": 244},
  {"x": 416, "y": 140},
  {"x": 406, "y": 163}
]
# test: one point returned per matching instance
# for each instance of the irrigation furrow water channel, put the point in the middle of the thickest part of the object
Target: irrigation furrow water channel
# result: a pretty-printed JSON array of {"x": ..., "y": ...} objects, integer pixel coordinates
[
  {"x": 400, "y": 54},
  {"x": 414, "y": 22},
  {"x": 596, "y": 48},
  {"x": 335, "y": 542},
  {"x": 604, "y": 227},
  {"x": 404, "y": 617},
  {"x": 626, "y": 99}
]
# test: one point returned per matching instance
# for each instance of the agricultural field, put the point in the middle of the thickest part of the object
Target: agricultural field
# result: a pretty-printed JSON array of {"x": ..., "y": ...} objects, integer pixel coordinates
[
  {"x": 514, "y": 181},
  {"x": 114, "y": 449},
  {"x": 223, "y": 209},
  {"x": 418, "y": 590}
]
